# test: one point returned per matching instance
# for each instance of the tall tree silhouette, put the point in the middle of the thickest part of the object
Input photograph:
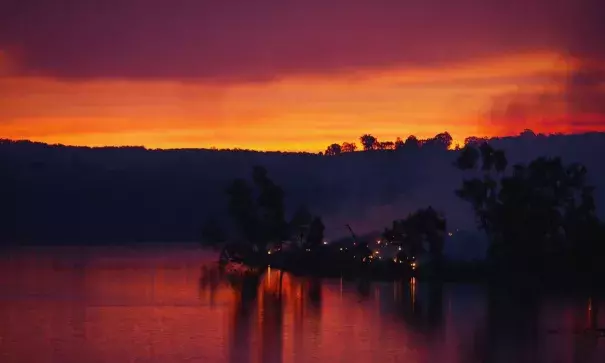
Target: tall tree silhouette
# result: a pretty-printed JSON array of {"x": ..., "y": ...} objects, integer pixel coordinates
[
  {"x": 270, "y": 206},
  {"x": 467, "y": 159},
  {"x": 441, "y": 141},
  {"x": 533, "y": 216},
  {"x": 399, "y": 144},
  {"x": 412, "y": 142},
  {"x": 300, "y": 223},
  {"x": 316, "y": 233},
  {"x": 425, "y": 226},
  {"x": 259, "y": 221},
  {"x": 333, "y": 149},
  {"x": 368, "y": 141},
  {"x": 348, "y": 147},
  {"x": 242, "y": 209}
]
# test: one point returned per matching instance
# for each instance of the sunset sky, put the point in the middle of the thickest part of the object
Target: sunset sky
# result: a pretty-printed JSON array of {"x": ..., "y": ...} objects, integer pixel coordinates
[{"x": 294, "y": 74}]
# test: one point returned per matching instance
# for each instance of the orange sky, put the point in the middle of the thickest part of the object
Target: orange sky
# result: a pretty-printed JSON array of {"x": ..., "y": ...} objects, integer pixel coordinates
[{"x": 297, "y": 113}]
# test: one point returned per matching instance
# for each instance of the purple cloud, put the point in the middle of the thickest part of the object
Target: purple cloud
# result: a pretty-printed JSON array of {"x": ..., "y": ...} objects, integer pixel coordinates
[{"x": 263, "y": 39}]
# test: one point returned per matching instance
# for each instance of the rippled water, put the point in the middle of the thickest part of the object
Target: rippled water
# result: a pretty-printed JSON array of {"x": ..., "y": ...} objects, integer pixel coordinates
[{"x": 158, "y": 304}]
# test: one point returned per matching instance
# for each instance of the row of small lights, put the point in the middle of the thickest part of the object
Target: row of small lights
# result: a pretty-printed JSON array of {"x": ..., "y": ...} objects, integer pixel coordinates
[
  {"x": 308, "y": 249},
  {"x": 413, "y": 264}
]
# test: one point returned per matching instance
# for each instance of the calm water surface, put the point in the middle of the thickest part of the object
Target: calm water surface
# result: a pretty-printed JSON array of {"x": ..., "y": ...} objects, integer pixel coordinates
[{"x": 152, "y": 304}]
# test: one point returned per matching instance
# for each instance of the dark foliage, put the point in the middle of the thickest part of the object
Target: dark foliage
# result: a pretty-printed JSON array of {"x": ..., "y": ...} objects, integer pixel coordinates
[
  {"x": 538, "y": 216},
  {"x": 259, "y": 221},
  {"x": 60, "y": 194},
  {"x": 425, "y": 226}
]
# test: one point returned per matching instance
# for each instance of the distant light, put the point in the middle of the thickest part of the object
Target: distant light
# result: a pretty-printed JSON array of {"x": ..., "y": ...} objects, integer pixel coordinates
[
  {"x": 450, "y": 234},
  {"x": 399, "y": 248},
  {"x": 325, "y": 242},
  {"x": 376, "y": 252},
  {"x": 341, "y": 248},
  {"x": 378, "y": 241},
  {"x": 268, "y": 252}
]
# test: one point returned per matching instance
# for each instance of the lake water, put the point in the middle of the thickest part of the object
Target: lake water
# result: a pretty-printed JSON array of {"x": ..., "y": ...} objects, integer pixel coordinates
[{"x": 158, "y": 304}]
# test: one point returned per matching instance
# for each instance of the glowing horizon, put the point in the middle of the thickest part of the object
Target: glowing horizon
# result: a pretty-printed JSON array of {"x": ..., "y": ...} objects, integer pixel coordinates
[{"x": 299, "y": 112}]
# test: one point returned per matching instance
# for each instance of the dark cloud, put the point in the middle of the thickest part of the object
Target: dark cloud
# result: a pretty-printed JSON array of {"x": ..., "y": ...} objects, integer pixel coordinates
[
  {"x": 584, "y": 92},
  {"x": 263, "y": 39},
  {"x": 582, "y": 27},
  {"x": 573, "y": 110},
  {"x": 580, "y": 104}
]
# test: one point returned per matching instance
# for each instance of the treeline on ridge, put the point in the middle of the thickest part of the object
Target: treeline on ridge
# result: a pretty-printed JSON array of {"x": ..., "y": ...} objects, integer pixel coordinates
[{"x": 63, "y": 194}]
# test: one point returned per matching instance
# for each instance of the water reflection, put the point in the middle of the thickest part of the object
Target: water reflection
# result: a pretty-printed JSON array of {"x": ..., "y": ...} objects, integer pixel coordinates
[
  {"x": 587, "y": 344},
  {"x": 363, "y": 287},
  {"x": 259, "y": 304},
  {"x": 423, "y": 322},
  {"x": 148, "y": 307}
]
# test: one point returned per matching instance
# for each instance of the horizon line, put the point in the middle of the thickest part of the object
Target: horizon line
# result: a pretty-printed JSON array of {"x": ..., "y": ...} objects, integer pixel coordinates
[{"x": 237, "y": 149}]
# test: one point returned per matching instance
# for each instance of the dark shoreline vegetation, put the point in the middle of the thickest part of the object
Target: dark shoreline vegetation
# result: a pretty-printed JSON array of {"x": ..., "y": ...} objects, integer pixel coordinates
[
  {"x": 540, "y": 220},
  {"x": 538, "y": 212}
]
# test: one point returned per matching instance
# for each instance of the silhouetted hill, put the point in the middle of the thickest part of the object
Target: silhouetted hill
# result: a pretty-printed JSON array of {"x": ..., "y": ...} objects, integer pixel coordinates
[{"x": 84, "y": 195}]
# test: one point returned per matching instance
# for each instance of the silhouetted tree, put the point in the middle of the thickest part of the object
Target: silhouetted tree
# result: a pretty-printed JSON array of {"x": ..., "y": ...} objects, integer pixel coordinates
[
  {"x": 243, "y": 210},
  {"x": 467, "y": 159},
  {"x": 261, "y": 222},
  {"x": 527, "y": 133},
  {"x": 301, "y": 217},
  {"x": 423, "y": 226},
  {"x": 300, "y": 223},
  {"x": 399, "y": 144},
  {"x": 386, "y": 145},
  {"x": 138, "y": 194},
  {"x": 412, "y": 142},
  {"x": 441, "y": 141},
  {"x": 333, "y": 149},
  {"x": 270, "y": 206},
  {"x": 500, "y": 162},
  {"x": 368, "y": 141},
  {"x": 474, "y": 141},
  {"x": 348, "y": 147},
  {"x": 316, "y": 233},
  {"x": 534, "y": 215}
]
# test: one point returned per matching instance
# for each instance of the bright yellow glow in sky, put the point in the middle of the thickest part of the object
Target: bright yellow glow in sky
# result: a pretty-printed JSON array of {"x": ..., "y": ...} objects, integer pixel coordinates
[{"x": 294, "y": 113}]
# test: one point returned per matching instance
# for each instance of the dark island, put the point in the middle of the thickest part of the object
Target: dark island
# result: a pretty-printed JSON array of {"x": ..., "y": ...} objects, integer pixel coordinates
[
  {"x": 537, "y": 212},
  {"x": 540, "y": 219}
]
